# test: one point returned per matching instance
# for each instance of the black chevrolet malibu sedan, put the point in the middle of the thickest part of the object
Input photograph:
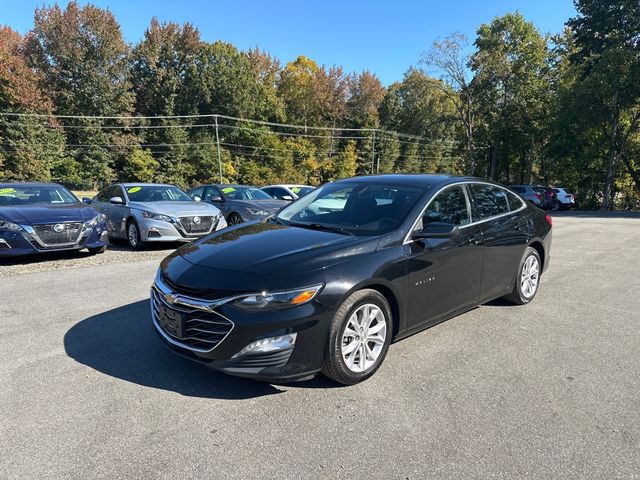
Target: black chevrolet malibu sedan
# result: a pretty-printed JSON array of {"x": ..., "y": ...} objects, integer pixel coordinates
[{"x": 329, "y": 282}]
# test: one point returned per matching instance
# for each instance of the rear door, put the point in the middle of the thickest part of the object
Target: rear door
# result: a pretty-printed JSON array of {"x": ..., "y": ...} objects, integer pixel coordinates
[
  {"x": 444, "y": 274},
  {"x": 504, "y": 236},
  {"x": 118, "y": 213}
]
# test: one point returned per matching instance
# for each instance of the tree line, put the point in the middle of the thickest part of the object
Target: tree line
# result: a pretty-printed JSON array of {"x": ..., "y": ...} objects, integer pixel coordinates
[{"x": 515, "y": 104}]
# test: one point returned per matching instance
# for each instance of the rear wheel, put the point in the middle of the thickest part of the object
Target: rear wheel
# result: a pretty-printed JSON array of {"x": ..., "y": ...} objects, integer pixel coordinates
[
  {"x": 133, "y": 235},
  {"x": 359, "y": 338},
  {"x": 527, "y": 278}
]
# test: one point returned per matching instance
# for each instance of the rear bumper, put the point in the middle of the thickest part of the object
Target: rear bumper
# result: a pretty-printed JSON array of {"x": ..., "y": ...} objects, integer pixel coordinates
[{"x": 14, "y": 244}]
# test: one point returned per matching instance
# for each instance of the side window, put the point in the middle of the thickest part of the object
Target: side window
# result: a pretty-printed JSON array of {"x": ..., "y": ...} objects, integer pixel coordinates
[
  {"x": 514, "y": 202},
  {"x": 105, "y": 194},
  {"x": 118, "y": 192},
  {"x": 449, "y": 206},
  {"x": 489, "y": 201},
  {"x": 211, "y": 192},
  {"x": 268, "y": 191},
  {"x": 197, "y": 192},
  {"x": 278, "y": 193}
]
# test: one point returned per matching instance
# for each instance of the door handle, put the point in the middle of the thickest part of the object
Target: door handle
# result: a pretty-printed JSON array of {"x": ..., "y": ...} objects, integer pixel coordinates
[{"x": 473, "y": 240}]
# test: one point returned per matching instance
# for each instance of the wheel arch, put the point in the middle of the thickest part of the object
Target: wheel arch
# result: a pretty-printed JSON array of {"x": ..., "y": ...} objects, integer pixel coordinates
[
  {"x": 539, "y": 247},
  {"x": 391, "y": 298}
]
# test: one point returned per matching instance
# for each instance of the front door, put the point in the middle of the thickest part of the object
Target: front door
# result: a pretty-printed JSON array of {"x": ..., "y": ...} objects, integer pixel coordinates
[{"x": 444, "y": 274}]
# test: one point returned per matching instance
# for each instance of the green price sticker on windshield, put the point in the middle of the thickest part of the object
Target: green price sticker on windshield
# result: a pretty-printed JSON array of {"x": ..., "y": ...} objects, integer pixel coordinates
[
  {"x": 134, "y": 189},
  {"x": 228, "y": 190},
  {"x": 6, "y": 191},
  {"x": 296, "y": 189}
]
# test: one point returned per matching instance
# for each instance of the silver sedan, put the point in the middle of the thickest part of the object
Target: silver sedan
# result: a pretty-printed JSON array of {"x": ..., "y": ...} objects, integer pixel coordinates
[{"x": 147, "y": 212}]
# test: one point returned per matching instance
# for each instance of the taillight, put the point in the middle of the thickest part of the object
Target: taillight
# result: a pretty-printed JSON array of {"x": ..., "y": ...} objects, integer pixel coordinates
[
  {"x": 538, "y": 196},
  {"x": 549, "y": 220}
]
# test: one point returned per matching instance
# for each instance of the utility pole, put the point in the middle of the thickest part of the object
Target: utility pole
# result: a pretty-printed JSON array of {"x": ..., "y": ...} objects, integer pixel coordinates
[
  {"x": 218, "y": 146},
  {"x": 373, "y": 152}
]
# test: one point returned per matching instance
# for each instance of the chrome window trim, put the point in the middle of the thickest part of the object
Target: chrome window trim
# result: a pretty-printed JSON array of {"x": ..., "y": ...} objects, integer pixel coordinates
[{"x": 407, "y": 238}]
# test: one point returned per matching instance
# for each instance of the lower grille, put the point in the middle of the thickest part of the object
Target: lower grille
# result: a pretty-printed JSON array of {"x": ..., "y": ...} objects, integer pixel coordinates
[
  {"x": 58, "y": 234},
  {"x": 191, "y": 328},
  {"x": 265, "y": 360},
  {"x": 196, "y": 224}
]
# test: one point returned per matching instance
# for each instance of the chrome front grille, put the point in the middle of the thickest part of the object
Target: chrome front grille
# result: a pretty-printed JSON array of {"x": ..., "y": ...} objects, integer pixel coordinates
[
  {"x": 58, "y": 234},
  {"x": 196, "y": 224},
  {"x": 191, "y": 328}
]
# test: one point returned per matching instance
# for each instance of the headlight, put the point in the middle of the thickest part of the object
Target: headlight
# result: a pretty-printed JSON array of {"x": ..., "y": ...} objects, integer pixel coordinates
[
  {"x": 95, "y": 220},
  {"x": 156, "y": 216},
  {"x": 12, "y": 227},
  {"x": 276, "y": 300},
  {"x": 257, "y": 211}
]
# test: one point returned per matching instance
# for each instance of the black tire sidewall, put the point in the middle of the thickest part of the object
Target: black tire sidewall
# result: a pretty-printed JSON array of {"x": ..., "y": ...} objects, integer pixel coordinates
[
  {"x": 339, "y": 371},
  {"x": 234, "y": 215}
]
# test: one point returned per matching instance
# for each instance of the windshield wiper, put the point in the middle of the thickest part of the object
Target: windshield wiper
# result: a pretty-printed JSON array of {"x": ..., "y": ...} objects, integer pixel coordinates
[{"x": 322, "y": 226}]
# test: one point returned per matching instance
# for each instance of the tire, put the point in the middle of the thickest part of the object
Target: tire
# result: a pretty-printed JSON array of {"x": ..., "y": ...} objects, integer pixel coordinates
[
  {"x": 525, "y": 291},
  {"x": 343, "y": 362},
  {"x": 97, "y": 250},
  {"x": 234, "y": 219},
  {"x": 133, "y": 235}
]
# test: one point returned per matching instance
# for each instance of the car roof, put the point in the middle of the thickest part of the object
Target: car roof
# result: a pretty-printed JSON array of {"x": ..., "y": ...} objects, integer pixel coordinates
[
  {"x": 288, "y": 185},
  {"x": 142, "y": 184},
  {"x": 29, "y": 184},
  {"x": 420, "y": 180}
]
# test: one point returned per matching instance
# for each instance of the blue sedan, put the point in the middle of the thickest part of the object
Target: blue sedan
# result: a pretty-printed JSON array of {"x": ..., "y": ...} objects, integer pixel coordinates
[{"x": 44, "y": 217}]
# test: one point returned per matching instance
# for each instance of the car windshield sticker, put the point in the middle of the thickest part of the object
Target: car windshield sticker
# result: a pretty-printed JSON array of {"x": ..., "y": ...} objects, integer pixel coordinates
[
  {"x": 6, "y": 191},
  {"x": 134, "y": 189},
  {"x": 228, "y": 190},
  {"x": 296, "y": 189}
]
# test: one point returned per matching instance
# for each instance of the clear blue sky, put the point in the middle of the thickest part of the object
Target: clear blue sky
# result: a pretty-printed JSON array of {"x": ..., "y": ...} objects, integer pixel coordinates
[{"x": 384, "y": 37}]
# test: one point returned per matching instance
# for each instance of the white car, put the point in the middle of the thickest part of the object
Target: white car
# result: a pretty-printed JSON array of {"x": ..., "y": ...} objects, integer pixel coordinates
[
  {"x": 288, "y": 192},
  {"x": 565, "y": 198}
]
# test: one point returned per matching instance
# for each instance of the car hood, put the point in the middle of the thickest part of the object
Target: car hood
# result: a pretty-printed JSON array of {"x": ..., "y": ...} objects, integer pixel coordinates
[
  {"x": 176, "y": 208},
  {"x": 269, "y": 248},
  {"x": 271, "y": 206},
  {"x": 35, "y": 214}
]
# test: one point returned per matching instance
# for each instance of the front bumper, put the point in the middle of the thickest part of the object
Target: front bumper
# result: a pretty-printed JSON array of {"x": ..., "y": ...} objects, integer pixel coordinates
[
  {"x": 160, "y": 231},
  {"x": 301, "y": 361},
  {"x": 13, "y": 244}
]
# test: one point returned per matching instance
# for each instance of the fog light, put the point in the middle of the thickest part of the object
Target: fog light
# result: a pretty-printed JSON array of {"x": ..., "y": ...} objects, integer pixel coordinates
[{"x": 267, "y": 345}]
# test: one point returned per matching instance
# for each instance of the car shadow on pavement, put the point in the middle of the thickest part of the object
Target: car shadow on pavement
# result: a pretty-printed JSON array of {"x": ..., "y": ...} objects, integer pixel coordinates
[{"x": 121, "y": 343}]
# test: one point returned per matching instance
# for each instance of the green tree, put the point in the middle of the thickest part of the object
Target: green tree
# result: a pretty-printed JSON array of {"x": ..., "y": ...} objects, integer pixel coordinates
[{"x": 83, "y": 59}]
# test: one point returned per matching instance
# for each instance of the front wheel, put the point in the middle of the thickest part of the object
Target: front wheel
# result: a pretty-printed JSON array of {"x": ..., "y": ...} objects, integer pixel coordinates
[
  {"x": 234, "y": 219},
  {"x": 359, "y": 338},
  {"x": 133, "y": 235},
  {"x": 527, "y": 278}
]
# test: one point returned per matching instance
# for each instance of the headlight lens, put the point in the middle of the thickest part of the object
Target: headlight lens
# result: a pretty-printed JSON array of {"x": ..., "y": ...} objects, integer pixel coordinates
[
  {"x": 257, "y": 211},
  {"x": 95, "y": 220},
  {"x": 276, "y": 300},
  {"x": 12, "y": 227},
  {"x": 156, "y": 216}
]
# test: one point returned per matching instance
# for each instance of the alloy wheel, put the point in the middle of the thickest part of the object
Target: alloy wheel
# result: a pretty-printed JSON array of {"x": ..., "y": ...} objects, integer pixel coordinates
[
  {"x": 529, "y": 276},
  {"x": 234, "y": 219},
  {"x": 363, "y": 338},
  {"x": 132, "y": 234}
]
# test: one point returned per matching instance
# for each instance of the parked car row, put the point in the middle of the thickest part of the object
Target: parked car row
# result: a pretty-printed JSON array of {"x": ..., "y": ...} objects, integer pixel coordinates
[
  {"x": 37, "y": 217},
  {"x": 547, "y": 198}
]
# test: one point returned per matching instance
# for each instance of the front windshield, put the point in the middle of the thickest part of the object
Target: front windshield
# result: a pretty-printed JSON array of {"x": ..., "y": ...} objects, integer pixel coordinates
[
  {"x": 358, "y": 208},
  {"x": 244, "y": 193},
  {"x": 12, "y": 195},
  {"x": 156, "y": 193}
]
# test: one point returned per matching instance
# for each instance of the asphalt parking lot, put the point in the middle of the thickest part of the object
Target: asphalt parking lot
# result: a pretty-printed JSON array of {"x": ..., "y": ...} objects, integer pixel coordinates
[{"x": 550, "y": 390}]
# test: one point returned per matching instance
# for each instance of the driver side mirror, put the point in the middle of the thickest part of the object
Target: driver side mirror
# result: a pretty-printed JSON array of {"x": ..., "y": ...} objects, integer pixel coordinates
[
  {"x": 288, "y": 198},
  {"x": 215, "y": 198},
  {"x": 436, "y": 230},
  {"x": 86, "y": 200},
  {"x": 196, "y": 198},
  {"x": 116, "y": 200}
]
